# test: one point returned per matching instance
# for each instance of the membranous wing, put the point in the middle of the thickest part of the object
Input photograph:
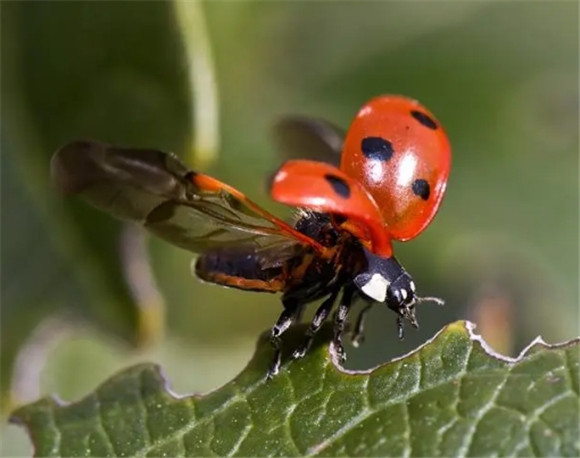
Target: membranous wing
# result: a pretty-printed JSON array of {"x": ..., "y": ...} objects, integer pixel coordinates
[
  {"x": 190, "y": 210},
  {"x": 301, "y": 137}
]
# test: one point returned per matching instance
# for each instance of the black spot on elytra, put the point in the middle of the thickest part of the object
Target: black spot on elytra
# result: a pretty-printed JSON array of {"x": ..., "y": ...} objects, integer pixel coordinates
[
  {"x": 339, "y": 186},
  {"x": 424, "y": 119},
  {"x": 421, "y": 188},
  {"x": 377, "y": 148}
]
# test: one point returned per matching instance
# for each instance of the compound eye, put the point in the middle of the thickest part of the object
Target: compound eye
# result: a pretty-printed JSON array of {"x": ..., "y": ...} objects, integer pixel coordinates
[
  {"x": 403, "y": 296},
  {"x": 376, "y": 288}
]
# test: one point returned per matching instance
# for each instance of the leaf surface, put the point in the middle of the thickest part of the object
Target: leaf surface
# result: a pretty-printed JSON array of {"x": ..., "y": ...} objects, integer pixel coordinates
[{"x": 450, "y": 397}]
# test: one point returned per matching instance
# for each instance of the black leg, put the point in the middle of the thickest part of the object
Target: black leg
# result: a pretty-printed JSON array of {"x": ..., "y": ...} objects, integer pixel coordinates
[
  {"x": 339, "y": 320},
  {"x": 358, "y": 333},
  {"x": 319, "y": 317},
  {"x": 412, "y": 319},
  {"x": 287, "y": 317},
  {"x": 400, "y": 329}
]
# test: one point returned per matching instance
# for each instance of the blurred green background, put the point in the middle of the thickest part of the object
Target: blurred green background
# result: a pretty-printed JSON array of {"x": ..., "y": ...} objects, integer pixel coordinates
[{"x": 502, "y": 77}]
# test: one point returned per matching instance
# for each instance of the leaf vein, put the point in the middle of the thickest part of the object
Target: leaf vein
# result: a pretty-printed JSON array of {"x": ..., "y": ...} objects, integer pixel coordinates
[
  {"x": 408, "y": 451},
  {"x": 290, "y": 412},
  {"x": 571, "y": 374},
  {"x": 236, "y": 447},
  {"x": 470, "y": 434},
  {"x": 146, "y": 419},
  {"x": 226, "y": 405},
  {"x": 58, "y": 439},
  {"x": 102, "y": 424},
  {"x": 367, "y": 413},
  {"x": 535, "y": 415},
  {"x": 316, "y": 449}
]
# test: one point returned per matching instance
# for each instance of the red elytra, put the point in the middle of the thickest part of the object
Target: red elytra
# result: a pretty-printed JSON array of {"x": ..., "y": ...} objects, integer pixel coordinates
[
  {"x": 398, "y": 151},
  {"x": 324, "y": 188}
]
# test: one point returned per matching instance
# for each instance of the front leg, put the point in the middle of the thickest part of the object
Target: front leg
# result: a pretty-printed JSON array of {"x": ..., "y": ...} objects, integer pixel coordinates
[
  {"x": 292, "y": 310},
  {"x": 340, "y": 318},
  {"x": 357, "y": 337},
  {"x": 319, "y": 317}
]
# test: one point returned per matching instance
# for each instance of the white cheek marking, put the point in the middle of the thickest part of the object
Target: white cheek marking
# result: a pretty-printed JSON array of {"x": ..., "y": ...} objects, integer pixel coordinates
[
  {"x": 412, "y": 285},
  {"x": 376, "y": 288},
  {"x": 404, "y": 294}
]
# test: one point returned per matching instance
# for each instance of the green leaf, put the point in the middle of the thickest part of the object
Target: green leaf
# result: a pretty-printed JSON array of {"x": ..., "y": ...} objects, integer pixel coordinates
[{"x": 453, "y": 396}]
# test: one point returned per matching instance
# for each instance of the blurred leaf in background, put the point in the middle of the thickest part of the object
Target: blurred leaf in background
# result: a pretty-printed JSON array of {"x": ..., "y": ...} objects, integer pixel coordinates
[
  {"x": 71, "y": 71},
  {"x": 501, "y": 77}
]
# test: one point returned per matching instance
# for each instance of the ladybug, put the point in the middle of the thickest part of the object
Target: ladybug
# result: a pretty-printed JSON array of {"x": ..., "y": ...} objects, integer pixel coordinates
[{"x": 381, "y": 182}]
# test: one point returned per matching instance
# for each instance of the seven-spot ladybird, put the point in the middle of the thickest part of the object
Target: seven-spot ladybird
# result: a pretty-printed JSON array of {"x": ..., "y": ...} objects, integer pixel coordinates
[{"x": 394, "y": 164}]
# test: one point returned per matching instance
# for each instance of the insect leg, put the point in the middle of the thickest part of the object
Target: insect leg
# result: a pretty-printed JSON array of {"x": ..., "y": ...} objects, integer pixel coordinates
[
  {"x": 287, "y": 317},
  {"x": 319, "y": 317},
  {"x": 357, "y": 337},
  {"x": 340, "y": 318},
  {"x": 400, "y": 328}
]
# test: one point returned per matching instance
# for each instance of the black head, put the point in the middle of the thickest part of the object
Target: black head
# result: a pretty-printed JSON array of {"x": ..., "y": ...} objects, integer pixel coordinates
[{"x": 384, "y": 280}]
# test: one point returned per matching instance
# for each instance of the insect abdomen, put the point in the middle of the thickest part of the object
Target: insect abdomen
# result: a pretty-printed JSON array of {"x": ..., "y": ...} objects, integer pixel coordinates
[{"x": 239, "y": 270}]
